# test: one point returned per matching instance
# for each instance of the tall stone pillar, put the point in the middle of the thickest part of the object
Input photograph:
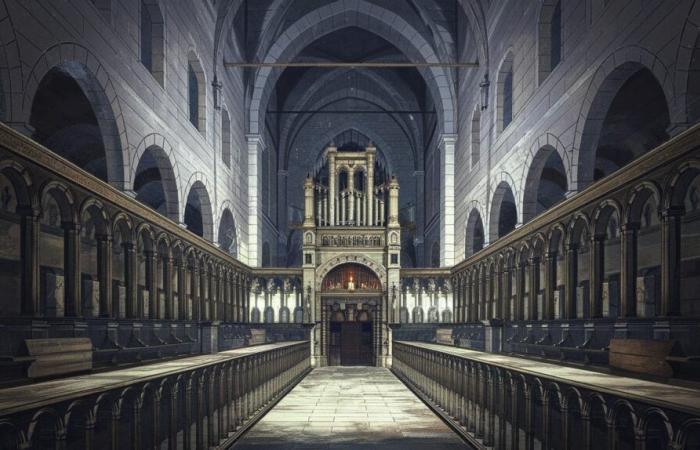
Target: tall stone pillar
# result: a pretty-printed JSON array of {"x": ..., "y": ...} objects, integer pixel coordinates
[
  {"x": 132, "y": 308},
  {"x": 671, "y": 262},
  {"x": 351, "y": 198},
  {"x": 104, "y": 258},
  {"x": 447, "y": 200},
  {"x": 332, "y": 184},
  {"x": 571, "y": 276},
  {"x": 71, "y": 235},
  {"x": 628, "y": 274},
  {"x": 181, "y": 289},
  {"x": 597, "y": 267},
  {"x": 152, "y": 285},
  {"x": 256, "y": 147},
  {"x": 309, "y": 202},
  {"x": 29, "y": 236},
  {"x": 532, "y": 309},
  {"x": 168, "y": 287},
  {"x": 369, "y": 189},
  {"x": 550, "y": 282}
]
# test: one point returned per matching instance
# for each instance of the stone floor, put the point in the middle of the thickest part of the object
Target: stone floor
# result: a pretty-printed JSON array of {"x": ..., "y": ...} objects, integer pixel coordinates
[{"x": 350, "y": 408}]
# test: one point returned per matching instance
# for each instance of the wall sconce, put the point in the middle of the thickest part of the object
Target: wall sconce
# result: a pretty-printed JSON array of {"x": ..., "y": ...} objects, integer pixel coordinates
[{"x": 484, "y": 85}]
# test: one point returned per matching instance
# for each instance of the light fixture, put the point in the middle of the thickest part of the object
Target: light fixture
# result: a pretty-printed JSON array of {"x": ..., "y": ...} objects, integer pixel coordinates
[{"x": 484, "y": 85}]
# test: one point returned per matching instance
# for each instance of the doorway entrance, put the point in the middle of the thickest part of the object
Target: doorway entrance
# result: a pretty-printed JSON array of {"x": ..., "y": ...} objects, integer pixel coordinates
[{"x": 351, "y": 344}]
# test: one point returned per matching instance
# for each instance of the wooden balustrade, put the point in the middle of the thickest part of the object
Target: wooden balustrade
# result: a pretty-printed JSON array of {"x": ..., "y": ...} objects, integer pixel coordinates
[
  {"x": 192, "y": 403},
  {"x": 503, "y": 402}
]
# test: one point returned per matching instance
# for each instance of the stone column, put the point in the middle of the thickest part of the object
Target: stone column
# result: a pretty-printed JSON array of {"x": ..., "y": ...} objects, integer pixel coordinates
[
  {"x": 597, "y": 267},
  {"x": 628, "y": 274},
  {"x": 369, "y": 188},
  {"x": 132, "y": 308},
  {"x": 256, "y": 147},
  {"x": 309, "y": 202},
  {"x": 152, "y": 285},
  {"x": 571, "y": 275},
  {"x": 29, "y": 237},
  {"x": 447, "y": 199},
  {"x": 519, "y": 291},
  {"x": 181, "y": 289},
  {"x": 532, "y": 309},
  {"x": 168, "y": 287},
  {"x": 104, "y": 258},
  {"x": 195, "y": 291},
  {"x": 351, "y": 197},
  {"x": 508, "y": 292},
  {"x": 71, "y": 252},
  {"x": 204, "y": 293},
  {"x": 550, "y": 282},
  {"x": 332, "y": 183},
  {"x": 671, "y": 261}
]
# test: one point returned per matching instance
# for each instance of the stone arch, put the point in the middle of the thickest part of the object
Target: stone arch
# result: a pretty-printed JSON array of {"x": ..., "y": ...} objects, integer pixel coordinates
[
  {"x": 370, "y": 134},
  {"x": 331, "y": 264},
  {"x": 547, "y": 153},
  {"x": 83, "y": 66},
  {"x": 357, "y": 96},
  {"x": 311, "y": 100},
  {"x": 687, "y": 73},
  {"x": 636, "y": 200},
  {"x": 505, "y": 84},
  {"x": 605, "y": 84},
  {"x": 503, "y": 216},
  {"x": 361, "y": 13},
  {"x": 21, "y": 182},
  {"x": 549, "y": 38},
  {"x": 602, "y": 214},
  {"x": 197, "y": 197},
  {"x": 155, "y": 161},
  {"x": 475, "y": 237}
]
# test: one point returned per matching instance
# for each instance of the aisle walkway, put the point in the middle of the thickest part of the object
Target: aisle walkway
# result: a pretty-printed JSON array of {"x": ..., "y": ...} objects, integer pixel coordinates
[{"x": 350, "y": 408}]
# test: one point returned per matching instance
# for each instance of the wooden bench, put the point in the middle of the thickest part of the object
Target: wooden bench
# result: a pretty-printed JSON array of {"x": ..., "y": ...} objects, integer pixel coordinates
[
  {"x": 642, "y": 356},
  {"x": 257, "y": 336},
  {"x": 56, "y": 356},
  {"x": 444, "y": 336}
]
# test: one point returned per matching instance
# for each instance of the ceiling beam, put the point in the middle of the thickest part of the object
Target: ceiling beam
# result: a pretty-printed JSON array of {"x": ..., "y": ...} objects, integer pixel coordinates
[{"x": 348, "y": 65}]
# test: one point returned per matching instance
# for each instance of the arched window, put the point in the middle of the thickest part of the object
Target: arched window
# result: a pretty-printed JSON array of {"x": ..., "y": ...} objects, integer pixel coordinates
[
  {"x": 476, "y": 137},
  {"x": 196, "y": 94},
  {"x": 226, "y": 138},
  {"x": 504, "y": 88},
  {"x": 152, "y": 39},
  {"x": 550, "y": 38}
]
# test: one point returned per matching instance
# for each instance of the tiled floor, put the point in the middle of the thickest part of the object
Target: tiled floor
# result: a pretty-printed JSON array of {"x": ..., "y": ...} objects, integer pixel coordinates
[{"x": 350, "y": 408}]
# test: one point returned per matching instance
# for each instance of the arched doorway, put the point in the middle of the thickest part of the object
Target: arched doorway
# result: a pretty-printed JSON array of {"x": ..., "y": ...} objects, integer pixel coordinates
[{"x": 351, "y": 300}]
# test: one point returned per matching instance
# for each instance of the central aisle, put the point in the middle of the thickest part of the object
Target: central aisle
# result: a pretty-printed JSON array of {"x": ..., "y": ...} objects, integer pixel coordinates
[{"x": 350, "y": 408}]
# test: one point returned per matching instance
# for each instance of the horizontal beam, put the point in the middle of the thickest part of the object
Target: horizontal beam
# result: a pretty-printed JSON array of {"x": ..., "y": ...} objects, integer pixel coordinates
[
  {"x": 349, "y": 65},
  {"x": 349, "y": 111}
]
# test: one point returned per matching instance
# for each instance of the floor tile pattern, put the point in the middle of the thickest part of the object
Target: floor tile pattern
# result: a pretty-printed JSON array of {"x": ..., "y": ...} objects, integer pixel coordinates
[{"x": 350, "y": 408}]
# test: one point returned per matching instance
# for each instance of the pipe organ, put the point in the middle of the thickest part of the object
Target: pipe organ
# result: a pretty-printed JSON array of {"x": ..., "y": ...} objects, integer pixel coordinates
[{"x": 350, "y": 195}]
